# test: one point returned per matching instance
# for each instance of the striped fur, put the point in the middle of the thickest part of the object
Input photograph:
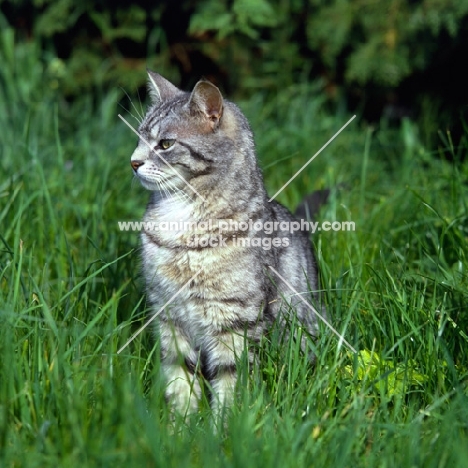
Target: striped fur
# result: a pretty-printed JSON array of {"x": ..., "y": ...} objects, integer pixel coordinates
[{"x": 203, "y": 330}]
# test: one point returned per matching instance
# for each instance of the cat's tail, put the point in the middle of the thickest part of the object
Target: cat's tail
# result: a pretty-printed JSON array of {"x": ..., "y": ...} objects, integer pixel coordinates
[{"x": 311, "y": 204}]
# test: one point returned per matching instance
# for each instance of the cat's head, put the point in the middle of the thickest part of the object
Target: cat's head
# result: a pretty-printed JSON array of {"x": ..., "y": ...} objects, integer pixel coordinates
[{"x": 188, "y": 138}]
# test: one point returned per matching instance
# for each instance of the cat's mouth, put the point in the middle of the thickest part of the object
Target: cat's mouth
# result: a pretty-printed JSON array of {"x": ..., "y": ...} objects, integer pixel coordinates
[
  {"x": 157, "y": 180},
  {"x": 148, "y": 177}
]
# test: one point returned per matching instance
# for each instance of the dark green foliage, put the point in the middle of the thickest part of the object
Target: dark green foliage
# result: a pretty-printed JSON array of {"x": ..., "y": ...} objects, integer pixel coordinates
[
  {"x": 99, "y": 44},
  {"x": 384, "y": 42},
  {"x": 388, "y": 56}
]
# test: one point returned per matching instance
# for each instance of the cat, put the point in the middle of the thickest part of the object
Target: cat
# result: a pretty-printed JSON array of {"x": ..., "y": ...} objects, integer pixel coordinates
[{"x": 196, "y": 155}]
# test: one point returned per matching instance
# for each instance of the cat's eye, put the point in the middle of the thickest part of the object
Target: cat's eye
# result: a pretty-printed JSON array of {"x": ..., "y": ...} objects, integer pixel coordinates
[{"x": 165, "y": 144}]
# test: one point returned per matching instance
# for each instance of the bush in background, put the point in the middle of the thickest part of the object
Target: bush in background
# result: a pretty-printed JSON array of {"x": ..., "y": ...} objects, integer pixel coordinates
[{"x": 394, "y": 58}]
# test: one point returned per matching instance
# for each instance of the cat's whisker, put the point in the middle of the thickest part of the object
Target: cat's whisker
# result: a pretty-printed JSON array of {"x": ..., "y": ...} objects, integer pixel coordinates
[
  {"x": 141, "y": 104},
  {"x": 174, "y": 191},
  {"x": 126, "y": 110},
  {"x": 140, "y": 117},
  {"x": 162, "y": 185},
  {"x": 167, "y": 191},
  {"x": 136, "y": 110},
  {"x": 180, "y": 194},
  {"x": 171, "y": 187}
]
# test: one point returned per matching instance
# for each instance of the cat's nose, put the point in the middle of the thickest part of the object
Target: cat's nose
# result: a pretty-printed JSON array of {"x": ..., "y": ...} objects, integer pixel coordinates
[{"x": 136, "y": 164}]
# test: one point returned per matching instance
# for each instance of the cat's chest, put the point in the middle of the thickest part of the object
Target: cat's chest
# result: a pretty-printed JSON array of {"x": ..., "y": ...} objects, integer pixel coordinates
[
  {"x": 206, "y": 290},
  {"x": 168, "y": 223},
  {"x": 223, "y": 274},
  {"x": 218, "y": 267},
  {"x": 207, "y": 287}
]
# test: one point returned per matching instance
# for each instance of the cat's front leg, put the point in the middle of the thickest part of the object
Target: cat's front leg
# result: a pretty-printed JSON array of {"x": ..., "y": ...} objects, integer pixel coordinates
[
  {"x": 179, "y": 367},
  {"x": 220, "y": 356}
]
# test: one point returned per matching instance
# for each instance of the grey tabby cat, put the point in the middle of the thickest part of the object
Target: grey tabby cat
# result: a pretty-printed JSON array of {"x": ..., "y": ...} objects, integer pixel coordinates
[{"x": 196, "y": 155}]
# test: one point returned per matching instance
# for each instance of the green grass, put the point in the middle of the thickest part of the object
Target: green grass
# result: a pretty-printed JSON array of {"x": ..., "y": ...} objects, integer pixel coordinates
[{"x": 70, "y": 296}]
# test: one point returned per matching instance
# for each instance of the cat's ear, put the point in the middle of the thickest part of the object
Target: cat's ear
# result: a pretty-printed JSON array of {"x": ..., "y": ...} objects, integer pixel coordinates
[
  {"x": 207, "y": 100},
  {"x": 159, "y": 88}
]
